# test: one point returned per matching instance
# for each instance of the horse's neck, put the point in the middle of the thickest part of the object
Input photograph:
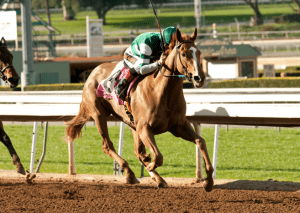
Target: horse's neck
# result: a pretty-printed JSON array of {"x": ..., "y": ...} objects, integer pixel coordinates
[{"x": 166, "y": 85}]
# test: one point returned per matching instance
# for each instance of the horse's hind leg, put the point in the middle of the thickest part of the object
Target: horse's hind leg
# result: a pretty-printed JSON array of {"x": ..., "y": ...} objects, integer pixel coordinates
[
  {"x": 187, "y": 132},
  {"x": 108, "y": 146},
  {"x": 7, "y": 142},
  {"x": 145, "y": 159}
]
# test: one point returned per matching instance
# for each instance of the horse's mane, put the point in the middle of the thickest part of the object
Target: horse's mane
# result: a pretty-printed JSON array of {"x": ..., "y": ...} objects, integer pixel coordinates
[
  {"x": 5, "y": 53},
  {"x": 171, "y": 47}
]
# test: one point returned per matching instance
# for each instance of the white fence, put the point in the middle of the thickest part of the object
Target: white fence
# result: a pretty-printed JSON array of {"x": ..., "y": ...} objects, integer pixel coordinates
[
  {"x": 110, "y": 38},
  {"x": 255, "y": 107}
]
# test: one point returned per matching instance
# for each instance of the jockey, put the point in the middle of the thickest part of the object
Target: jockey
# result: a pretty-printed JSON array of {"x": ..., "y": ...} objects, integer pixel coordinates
[{"x": 137, "y": 57}]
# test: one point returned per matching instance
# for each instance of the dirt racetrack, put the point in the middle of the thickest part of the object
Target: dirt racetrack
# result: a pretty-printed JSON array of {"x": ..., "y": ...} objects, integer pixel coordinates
[{"x": 95, "y": 193}]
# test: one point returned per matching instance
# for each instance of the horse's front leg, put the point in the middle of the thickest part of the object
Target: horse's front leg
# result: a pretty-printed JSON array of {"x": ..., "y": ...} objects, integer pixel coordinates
[
  {"x": 145, "y": 159},
  {"x": 187, "y": 132},
  {"x": 7, "y": 142}
]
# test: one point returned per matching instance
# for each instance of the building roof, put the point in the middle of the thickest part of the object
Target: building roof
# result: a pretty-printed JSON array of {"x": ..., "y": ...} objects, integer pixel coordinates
[{"x": 225, "y": 49}]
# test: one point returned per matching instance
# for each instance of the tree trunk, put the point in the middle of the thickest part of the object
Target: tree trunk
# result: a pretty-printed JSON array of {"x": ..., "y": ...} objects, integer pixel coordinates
[
  {"x": 68, "y": 12},
  {"x": 257, "y": 15},
  {"x": 297, "y": 2},
  {"x": 258, "y": 20},
  {"x": 64, "y": 9},
  {"x": 101, "y": 15},
  {"x": 47, "y": 11}
]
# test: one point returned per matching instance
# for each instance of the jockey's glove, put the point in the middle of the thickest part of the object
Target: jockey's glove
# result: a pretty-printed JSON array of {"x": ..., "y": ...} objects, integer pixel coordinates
[{"x": 162, "y": 59}]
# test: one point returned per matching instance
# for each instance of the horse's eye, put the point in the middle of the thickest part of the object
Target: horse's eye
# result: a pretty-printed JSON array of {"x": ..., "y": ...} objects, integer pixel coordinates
[{"x": 183, "y": 54}]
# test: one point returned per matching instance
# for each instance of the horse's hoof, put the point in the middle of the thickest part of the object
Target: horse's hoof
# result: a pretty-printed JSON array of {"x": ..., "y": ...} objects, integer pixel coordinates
[
  {"x": 30, "y": 177},
  {"x": 162, "y": 185},
  {"x": 130, "y": 180},
  {"x": 20, "y": 169},
  {"x": 208, "y": 185}
]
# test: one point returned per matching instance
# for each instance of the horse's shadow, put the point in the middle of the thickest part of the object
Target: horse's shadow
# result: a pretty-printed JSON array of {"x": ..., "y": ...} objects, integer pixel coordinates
[
  {"x": 220, "y": 111},
  {"x": 269, "y": 185},
  {"x": 208, "y": 116}
]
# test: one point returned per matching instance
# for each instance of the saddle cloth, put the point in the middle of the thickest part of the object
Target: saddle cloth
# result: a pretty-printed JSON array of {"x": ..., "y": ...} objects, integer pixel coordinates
[{"x": 106, "y": 88}]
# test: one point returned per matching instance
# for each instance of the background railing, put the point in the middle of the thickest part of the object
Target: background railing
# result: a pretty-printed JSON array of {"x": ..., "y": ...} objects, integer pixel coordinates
[
  {"x": 255, "y": 106},
  {"x": 269, "y": 43}
]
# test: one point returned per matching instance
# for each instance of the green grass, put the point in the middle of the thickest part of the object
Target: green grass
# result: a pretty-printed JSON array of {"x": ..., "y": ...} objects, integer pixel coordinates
[
  {"x": 252, "y": 154},
  {"x": 133, "y": 19}
]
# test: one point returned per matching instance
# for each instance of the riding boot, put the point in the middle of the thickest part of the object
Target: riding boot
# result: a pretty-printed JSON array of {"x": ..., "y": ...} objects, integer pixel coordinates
[{"x": 122, "y": 85}]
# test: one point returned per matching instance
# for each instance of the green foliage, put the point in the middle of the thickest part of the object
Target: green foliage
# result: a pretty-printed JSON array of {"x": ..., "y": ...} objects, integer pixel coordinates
[
  {"x": 257, "y": 82},
  {"x": 243, "y": 83},
  {"x": 7, "y": 88},
  {"x": 253, "y": 153},
  {"x": 287, "y": 18},
  {"x": 131, "y": 19},
  {"x": 54, "y": 87},
  {"x": 61, "y": 87},
  {"x": 101, "y": 7}
]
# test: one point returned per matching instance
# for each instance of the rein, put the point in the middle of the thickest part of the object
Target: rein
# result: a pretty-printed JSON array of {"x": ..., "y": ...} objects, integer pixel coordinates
[{"x": 187, "y": 73}]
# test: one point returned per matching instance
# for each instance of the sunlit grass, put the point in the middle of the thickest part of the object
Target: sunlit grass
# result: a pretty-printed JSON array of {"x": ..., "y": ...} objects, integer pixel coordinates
[
  {"x": 252, "y": 154},
  {"x": 132, "y": 19}
]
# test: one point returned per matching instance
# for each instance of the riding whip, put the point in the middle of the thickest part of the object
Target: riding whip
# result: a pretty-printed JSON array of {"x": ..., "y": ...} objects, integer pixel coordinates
[{"x": 162, "y": 38}]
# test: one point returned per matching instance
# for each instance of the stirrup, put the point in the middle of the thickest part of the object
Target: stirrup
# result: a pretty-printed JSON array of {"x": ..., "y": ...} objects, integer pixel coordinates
[
  {"x": 122, "y": 95},
  {"x": 121, "y": 87}
]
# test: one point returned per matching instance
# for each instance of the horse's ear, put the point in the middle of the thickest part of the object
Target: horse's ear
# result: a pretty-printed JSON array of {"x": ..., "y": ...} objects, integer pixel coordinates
[
  {"x": 3, "y": 42},
  {"x": 194, "y": 35},
  {"x": 178, "y": 36}
]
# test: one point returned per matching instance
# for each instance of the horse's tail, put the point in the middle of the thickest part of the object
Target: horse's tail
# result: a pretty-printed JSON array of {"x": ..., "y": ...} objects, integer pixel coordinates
[{"x": 74, "y": 126}]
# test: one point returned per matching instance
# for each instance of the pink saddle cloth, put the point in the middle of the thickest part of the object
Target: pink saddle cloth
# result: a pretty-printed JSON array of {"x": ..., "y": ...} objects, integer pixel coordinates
[{"x": 103, "y": 91}]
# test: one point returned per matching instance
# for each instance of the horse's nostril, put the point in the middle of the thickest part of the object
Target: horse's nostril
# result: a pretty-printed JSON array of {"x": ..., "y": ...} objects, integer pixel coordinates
[
  {"x": 197, "y": 78},
  {"x": 13, "y": 80}
]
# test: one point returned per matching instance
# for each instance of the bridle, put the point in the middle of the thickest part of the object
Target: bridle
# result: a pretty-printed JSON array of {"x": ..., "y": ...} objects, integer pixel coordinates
[
  {"x": 188, "y": 75},
  {"x": 2, "y": 76}
]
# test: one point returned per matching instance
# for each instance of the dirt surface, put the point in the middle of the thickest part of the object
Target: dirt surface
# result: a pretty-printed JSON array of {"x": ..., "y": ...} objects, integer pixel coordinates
[{"x": 95, "y": 193}]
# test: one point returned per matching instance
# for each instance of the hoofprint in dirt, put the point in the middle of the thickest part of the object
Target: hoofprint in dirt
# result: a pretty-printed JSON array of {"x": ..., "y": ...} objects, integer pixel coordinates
[{"x": 97, "y": 193}]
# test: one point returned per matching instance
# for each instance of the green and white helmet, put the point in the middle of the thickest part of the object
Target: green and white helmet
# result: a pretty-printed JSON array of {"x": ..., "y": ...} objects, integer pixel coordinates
[{"x": 167, "y": 34}]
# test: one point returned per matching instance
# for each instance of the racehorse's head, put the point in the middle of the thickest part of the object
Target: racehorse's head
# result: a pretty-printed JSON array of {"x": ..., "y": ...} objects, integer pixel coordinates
[
  {"x": 188, "y": 58},
  {"x": 7, "y": 72}
]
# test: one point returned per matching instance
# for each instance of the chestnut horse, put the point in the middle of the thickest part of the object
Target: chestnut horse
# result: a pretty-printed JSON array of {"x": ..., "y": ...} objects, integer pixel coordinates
[
  {"x": 157, "y": 103},
  {"x": 9, "y": 75}
]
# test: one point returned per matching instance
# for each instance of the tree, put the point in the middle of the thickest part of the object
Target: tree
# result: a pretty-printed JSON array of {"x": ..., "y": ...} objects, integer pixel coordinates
[
  {"x": 103, "y": 6},
  {"x": 297, "y": 2},
  {"x": 47, "y": 11},
  {"x": 70, "y": 7},
  {"x": 257, "y": 15}
]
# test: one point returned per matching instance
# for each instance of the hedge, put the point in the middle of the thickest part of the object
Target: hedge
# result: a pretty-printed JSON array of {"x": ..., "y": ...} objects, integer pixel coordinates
[
  {"x": 243, "y": 83},
  {"x": 46, "y": 87},
  {"x": 287, "y": 18},
  {"x": 257, "y": 82}
]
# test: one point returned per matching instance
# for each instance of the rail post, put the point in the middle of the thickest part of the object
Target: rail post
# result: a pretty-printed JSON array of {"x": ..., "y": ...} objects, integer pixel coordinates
[
  {"x": 71, "y": 158},
  {"x": 199, "y": 171}
]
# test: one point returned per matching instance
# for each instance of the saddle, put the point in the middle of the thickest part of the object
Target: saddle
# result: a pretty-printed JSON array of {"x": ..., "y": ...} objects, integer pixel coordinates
[{"x": 106, "y": 88}]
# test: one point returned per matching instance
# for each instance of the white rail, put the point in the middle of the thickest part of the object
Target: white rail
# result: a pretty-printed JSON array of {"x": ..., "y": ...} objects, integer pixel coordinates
[{"x": 255, "y": 106}]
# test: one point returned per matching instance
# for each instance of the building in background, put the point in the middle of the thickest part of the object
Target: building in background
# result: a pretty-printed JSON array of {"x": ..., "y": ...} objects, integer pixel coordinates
[{"x": 222, "y": 59}]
